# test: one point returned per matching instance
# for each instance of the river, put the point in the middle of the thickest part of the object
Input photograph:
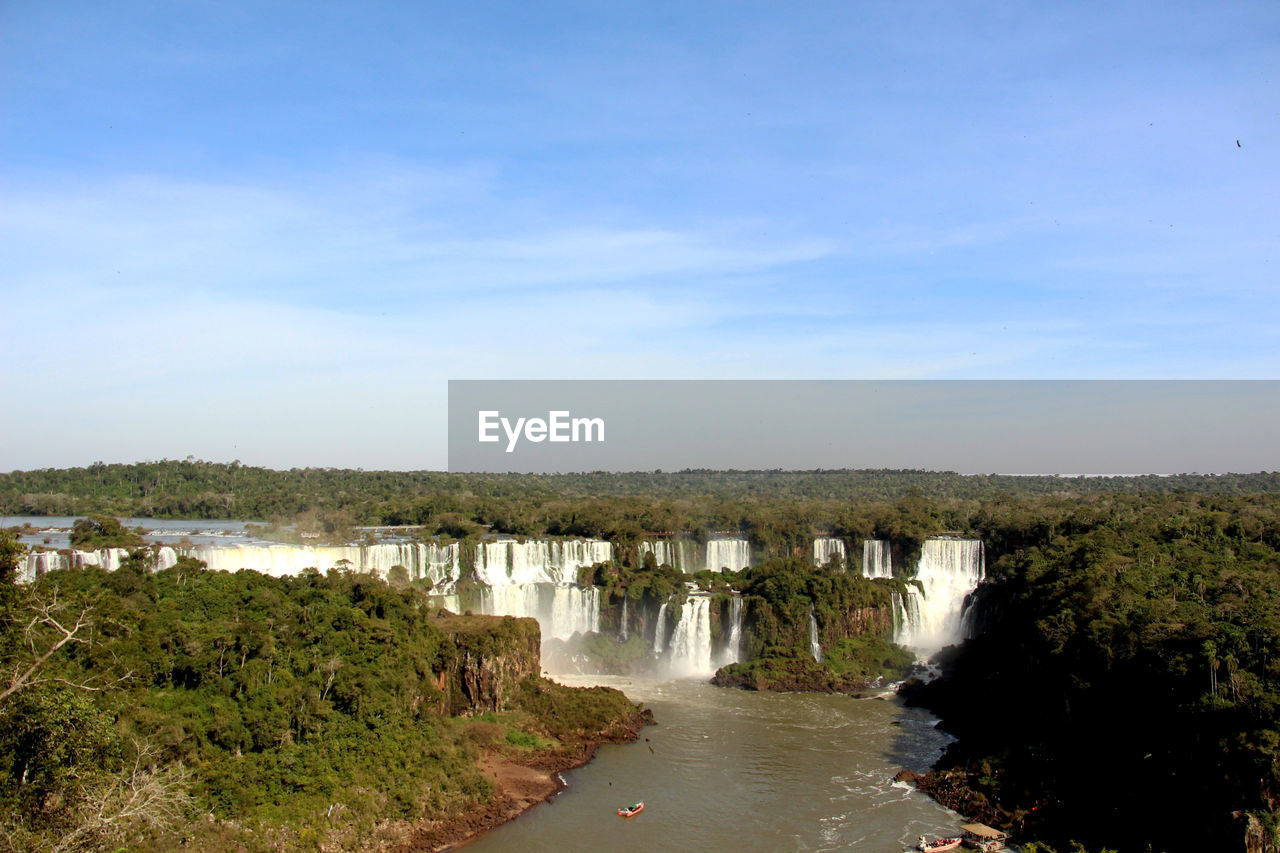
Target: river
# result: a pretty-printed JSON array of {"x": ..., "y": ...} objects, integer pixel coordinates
[
  {"x": 54, "y": 531},
  {"x": 732, "y": 770}
]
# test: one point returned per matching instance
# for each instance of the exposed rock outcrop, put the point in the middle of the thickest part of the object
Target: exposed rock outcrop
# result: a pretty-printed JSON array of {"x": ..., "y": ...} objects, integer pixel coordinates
[{"x": 493, "y": 655}]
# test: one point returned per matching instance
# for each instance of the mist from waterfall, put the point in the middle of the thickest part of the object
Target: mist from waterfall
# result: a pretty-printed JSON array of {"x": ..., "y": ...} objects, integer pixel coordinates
[
  {"x": 929, "y": 617},
  {"x": 691, "y": 640}
]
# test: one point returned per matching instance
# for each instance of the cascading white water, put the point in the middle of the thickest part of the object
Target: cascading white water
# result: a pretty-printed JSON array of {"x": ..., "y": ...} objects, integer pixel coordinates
[
  {"x": 660, "y": 630},
  {"x": 575, "y": 610},
  {"x": 439, "y": 563},
  {"x": 38, "y": 563},
  {"x": 732, "y": 554},
  {"x": 537, "y": 578},
  {"x": 877, "y": 559},
  {"x": 622, "y": 626},
  {"x": 572, "y": 554},
  {"x": 561, "y": 611},
  {"x": 949, "y": 570},
  {"x": 511, "y": 572},
  {"x": 732, "y": 652},
  {"x": 513, "y": 599},
  {"x": 508, "y": 561},
  {"x": 691, "y": 640},
  {"x": 443, "y": 566},
  {"x": 905, "y": 614},
  {"x": 421, "y": 560},
  {"x": 968, "y": 630},
  {"x": 677, "y": 553},
  {"x": 108, "y": 559},
  {"x": 827, "y": 547},
  {"x": 815, "y": 647}
]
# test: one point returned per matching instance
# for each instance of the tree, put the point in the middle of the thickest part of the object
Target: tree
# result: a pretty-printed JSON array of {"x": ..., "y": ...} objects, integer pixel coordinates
[
  {"x": 103, "y": 531},
  {"x": 142, "y": 797},
  {"x": 52, "y": 738},
  {"x": 35, "y": 624},
  {"x": 49, "y": 626}
]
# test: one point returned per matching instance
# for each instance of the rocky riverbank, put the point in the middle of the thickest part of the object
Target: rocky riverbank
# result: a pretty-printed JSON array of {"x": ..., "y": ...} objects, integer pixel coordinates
[
  {"x": 963, "y": 792},
  {"x": 522, "y": 779}
]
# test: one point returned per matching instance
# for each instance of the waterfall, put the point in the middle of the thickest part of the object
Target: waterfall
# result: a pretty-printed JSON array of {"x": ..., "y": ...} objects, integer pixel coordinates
[
  {"x": 691, "y": 640},
  {"x": 433, "y": 561},
  {"x": 949, "y": 570},
  {"x": 814, "y": 646},
  {"x": 622, "y": 627},
  {"x": 575, "y": 610},
  {"x": 534, "y": 578},
  {"x": 827, "y": 547},
  {"x": 656, "y": 547},
  {"x": 660, "y": 630},
  {"x": 507, "y": 561},
  {"x": 877, "y": 561},
  {"x": 108, "y": 559},
  {"x": 732, "y": 554},
  {"x": 36, "y": 564},
  {"x": 442, "y": 566},
  {"x": 677, "y": 553},
  {"x": 514, "y": 599},
  {"x": 561, "y": 611},
  {"x": 733, "y": 649},
  {"x": 968, "y": 630},
  {"x": 905, "y": 614},
  {"x": 572, "y": 554}
]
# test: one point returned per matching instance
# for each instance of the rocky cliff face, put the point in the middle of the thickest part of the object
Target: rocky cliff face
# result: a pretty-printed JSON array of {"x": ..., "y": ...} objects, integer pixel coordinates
[
  {"x": 858, "y": 622},
  {"x": 492, "y": 655},
  {"x": 771, "y": 627},
  {"x": 792, "y": 650}
]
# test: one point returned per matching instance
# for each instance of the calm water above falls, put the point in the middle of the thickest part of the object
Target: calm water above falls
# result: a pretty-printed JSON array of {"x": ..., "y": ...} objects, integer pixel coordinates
[{"x": 739, "y": 771}]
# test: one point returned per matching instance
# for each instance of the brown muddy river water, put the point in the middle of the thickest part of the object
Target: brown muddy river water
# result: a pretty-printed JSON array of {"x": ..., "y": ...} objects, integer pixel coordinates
[{"x": 738, "y": 771}]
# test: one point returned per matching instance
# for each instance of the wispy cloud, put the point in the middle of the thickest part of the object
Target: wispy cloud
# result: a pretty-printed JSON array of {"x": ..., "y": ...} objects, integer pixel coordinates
[{"x": 138, "y": 234}]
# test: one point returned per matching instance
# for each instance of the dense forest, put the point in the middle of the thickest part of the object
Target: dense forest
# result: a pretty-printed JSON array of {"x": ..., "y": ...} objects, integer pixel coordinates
[
  {"x": 528, "y": 504},
  {"x": 144, "y": 710},
  {"x": 1124, "y": 685},
  {"x": 1123, "y": 689}
]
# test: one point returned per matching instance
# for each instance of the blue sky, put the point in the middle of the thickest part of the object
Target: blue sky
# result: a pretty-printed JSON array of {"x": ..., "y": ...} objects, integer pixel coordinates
[{"x": 272, "y": 232}]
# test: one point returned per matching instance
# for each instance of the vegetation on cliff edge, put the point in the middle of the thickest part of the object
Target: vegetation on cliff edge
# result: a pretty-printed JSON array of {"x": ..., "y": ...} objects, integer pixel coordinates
[{"x": 289, "y": 710}]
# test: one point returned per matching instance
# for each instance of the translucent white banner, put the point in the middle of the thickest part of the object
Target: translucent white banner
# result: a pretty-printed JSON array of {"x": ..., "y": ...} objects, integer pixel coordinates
[{"x": 971, "y": 427}]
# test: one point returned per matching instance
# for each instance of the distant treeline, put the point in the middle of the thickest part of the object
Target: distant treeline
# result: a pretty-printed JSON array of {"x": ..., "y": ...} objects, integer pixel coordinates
[{"x": 524, "y": 503}]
